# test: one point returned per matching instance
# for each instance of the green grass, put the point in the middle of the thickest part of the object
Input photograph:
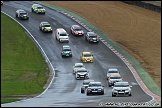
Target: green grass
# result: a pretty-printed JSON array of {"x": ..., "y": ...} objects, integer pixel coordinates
[
  {"x": 23, "y": 68},
  {"x": 8, "y": 100}
]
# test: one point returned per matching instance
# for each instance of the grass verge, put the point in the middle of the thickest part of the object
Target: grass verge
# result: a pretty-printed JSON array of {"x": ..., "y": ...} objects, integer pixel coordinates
[{"x": 23, "y": 68}]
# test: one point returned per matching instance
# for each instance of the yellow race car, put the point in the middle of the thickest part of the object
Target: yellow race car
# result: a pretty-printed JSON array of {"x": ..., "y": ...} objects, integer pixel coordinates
[
  {"x": 86, "y": 57},
  {"x": 45, "y": 27}
]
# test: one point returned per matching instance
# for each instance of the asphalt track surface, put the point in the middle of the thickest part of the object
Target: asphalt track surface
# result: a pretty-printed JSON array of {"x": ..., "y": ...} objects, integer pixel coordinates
[{"x": 64, "y": 91}]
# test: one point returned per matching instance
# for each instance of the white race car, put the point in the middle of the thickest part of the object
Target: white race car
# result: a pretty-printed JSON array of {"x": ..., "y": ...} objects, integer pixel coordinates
[{"x": 77, "y": 66}]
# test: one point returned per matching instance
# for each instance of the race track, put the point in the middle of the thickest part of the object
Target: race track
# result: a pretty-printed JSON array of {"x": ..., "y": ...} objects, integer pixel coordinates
[{"x": 65, "y": 89}]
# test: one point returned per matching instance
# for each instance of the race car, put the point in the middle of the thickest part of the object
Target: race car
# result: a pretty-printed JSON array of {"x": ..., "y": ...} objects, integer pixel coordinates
[
  {"x": 86, "y": 57},
  {"x": 1, "y": 2},
  {"x": 66, "y": 51},
  {"x": 82, "y": 73},
  {"x": 77, "y": 66},
  {"x": 45, "y": 27},
  {"x": 121, "y": 88},
  {"x": 110, "y": 71},
  {"x": 91, "y": 37},
  {"x": 114, "y": 77},
  {"x": 37, "y": 8},
  {"x": 22, "y": 14},
  {"x": 77, "y": 30},
  {"x": 95, "y": 88},
  {"x": 85, "y": 85}
]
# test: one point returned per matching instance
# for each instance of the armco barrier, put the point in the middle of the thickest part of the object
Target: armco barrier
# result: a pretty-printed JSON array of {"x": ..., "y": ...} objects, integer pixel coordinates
[{"x": 144, "y": 5}]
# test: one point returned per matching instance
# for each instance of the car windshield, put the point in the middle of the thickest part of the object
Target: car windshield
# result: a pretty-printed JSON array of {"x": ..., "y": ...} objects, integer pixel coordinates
[
  {"x": 81, "y": 71},
  {"x": 115, "y": 77},
  {"x": 24, "y": 13},
  {"x": 87, "y": 55},
  {"x": 85, "y": 83},
  {"x": 113, "y": 72},
  {"x": 121, "y": 85},
  {"x": 78, "y": 29},
  {"x": 66, "y": 49},
  {"x": 93, "y": 36},
  {"x": 40, "y": 7},
  {"x": 47, "y": 25},
  {"x": 96, "y": 84},
  {"x": 63, "y": 34},
  {"x": 79, "y": 66}
]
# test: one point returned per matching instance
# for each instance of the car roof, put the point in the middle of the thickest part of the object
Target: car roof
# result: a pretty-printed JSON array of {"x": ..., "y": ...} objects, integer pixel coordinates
[
  {"x": 21, "y": 10},
  {"x": 38, "y": 5},
  {"x": 76, "y": 64},
  {"x": 45, "y": 22},
  {"x": 113, "y": 69},
  {"x": 90, "y": 80},
  {"x": 66, "y": 46},
  {"x": 121, "y": 82},
  {"x": 76, "y": 26},
  {"x": 83, "y": 68},
  {"x": 91, "y": 33},
  {"x": 95, "y": 82},
  {"x": 61, "y": 30},
  {"x": 115, "y": 75},
  {"x": 86, "y": 53}
]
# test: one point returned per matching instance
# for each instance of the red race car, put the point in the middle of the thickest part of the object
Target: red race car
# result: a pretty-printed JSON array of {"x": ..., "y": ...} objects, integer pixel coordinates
[{"x": 77, "y": 30}]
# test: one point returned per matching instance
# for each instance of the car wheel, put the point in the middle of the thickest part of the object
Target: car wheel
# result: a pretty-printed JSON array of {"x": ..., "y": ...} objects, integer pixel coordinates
[
  {"x": 82, "y": 91},
  {"x": 32, "y": 9},
  {"x": 102, "y": 93},
  {"x": 44, "y": 30},
  {"x": 113, "y": 95},
  {"x": 16, "y": 15},
  {"x": 130, "y": 94},
  {"x": 87, "y": 93}
]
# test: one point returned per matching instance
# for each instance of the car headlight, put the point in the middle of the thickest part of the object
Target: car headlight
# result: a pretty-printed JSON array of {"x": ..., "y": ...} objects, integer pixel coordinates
[
  {"x": 100, "y": 89},
  {"x": 126, "y": 89},
  {"x": 89, "y": 89},
  {"x": 82, "y": 87},
  {"x": 114, "y": 90},
  {"x": 91, "y": 39}
]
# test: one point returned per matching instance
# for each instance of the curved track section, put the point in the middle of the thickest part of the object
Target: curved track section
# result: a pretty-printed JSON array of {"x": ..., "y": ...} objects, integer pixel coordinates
[{"x": 65, "y": 89}]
